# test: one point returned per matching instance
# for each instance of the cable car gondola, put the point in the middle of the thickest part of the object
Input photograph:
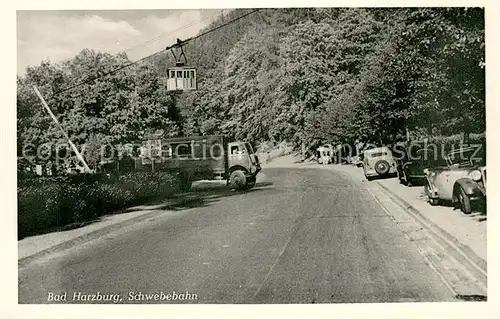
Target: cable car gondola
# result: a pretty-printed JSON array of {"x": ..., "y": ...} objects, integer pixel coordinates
[{"x": 181, "y": 77}]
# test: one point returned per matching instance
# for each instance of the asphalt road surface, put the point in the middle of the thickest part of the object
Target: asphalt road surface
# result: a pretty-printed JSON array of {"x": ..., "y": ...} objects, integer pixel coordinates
[{"x": 314, "y": 236}]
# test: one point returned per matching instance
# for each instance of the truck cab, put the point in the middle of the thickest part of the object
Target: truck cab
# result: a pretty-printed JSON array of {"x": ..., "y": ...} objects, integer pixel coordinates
[{"x": 243, "y": 165}]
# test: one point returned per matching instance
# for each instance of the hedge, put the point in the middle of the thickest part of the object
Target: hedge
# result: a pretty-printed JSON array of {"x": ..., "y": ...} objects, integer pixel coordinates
[{"x": 49, "y": 203}]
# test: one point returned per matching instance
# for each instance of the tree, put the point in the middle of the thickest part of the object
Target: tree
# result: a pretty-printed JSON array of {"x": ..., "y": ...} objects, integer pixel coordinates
[
  {"x": 310, "y": 76},
  {"x": 321, "y": 62},
  {"x": 248, "y": 90},
  {"x": 452, "y": 89},
  {"x": 118, "y": 107}
]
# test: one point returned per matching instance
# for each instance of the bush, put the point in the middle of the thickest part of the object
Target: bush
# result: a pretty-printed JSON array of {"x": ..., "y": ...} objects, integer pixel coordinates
[{"x": 48, "y": 203}]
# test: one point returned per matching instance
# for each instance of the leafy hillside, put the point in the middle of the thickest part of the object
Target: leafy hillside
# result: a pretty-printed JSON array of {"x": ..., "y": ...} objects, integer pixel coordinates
[{"x": 304, "y": 75}]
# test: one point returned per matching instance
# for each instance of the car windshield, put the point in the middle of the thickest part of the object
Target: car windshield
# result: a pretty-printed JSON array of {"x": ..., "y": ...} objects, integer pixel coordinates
[{"x": 463, "y": 157}]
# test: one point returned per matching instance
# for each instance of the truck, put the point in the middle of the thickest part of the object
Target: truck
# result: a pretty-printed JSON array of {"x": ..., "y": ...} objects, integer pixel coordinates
[{"x": 195, "y": 158}]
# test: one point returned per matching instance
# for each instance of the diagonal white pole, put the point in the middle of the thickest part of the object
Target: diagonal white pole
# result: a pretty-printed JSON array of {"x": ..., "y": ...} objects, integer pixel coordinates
[{"x": 78, "y": 155}]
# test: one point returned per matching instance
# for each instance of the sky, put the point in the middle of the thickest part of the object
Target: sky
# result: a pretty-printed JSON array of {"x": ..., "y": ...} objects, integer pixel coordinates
[{"x": 59, "y": 35}]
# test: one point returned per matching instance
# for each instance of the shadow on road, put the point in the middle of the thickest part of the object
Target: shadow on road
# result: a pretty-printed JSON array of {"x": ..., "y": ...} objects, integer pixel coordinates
[
  {"x": 203, "y": 198},
  {"x": 383, "y": 177},
  {"x": 200, "y": 195}
]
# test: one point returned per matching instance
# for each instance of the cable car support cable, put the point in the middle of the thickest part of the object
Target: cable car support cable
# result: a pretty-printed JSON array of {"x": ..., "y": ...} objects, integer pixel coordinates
[{"x": 178, "y": 44}]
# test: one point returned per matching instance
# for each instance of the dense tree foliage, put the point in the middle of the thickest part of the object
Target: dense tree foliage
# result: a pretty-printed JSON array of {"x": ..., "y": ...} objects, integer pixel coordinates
[{"x": 305, "y": 75}]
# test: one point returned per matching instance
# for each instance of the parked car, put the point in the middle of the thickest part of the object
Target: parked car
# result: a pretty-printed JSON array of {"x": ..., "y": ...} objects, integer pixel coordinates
[
  {"x": 325, "y": 154},
  {"x": 462, "y": 181},
  {"x": 378, "y": 161},
  {"x": 411, "y": 167}
]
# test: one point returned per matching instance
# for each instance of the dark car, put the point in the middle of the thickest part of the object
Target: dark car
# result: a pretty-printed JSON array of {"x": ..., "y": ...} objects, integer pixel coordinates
[{"x": 411, "y": 166}]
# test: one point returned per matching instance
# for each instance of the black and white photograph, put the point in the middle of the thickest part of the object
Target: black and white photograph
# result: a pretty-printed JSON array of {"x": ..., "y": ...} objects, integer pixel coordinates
[{"x": 252, "y": 155}]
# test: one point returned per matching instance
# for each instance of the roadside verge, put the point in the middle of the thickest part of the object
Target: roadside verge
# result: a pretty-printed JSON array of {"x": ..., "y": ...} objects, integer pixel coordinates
[
  {"x": 34, "y": 247},
  {"x": 463, "y": 271},
  {"x": 468, "y": 230},
  {"x": 459, "y": 273},
  {"x": 465, "y": 251}
]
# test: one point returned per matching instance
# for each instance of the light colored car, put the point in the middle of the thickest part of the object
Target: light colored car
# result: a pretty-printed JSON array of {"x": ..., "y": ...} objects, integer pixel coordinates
[
  {"x": 378, "y": 161},
  {"x": 462, "y": 181},
  {"x": 325, "y": 154}
]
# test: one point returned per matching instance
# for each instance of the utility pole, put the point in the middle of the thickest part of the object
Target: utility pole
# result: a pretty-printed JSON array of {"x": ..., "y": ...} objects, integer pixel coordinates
[{"x": 78, "y": 155}]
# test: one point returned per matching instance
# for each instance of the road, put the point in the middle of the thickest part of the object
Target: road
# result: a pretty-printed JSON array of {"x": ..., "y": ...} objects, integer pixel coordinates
[{"x": 314, "y": 236}]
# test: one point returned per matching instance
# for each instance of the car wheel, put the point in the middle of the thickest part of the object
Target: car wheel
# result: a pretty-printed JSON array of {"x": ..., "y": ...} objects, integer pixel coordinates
[
  {"x": 405, "y": 179},
  {"x": 382, "y": 167},
  {"x": 432, "y": 201},
  {"x": 464, "y": 200},
  {"x": 409, "y": 181},
  {"x": 400, "y": 177}
]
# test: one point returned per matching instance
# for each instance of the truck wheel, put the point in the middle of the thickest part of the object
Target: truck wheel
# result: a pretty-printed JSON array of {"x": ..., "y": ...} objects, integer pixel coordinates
[
  {"x": 464, "y": 200},
  {"x": 237, "y": 180}
]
